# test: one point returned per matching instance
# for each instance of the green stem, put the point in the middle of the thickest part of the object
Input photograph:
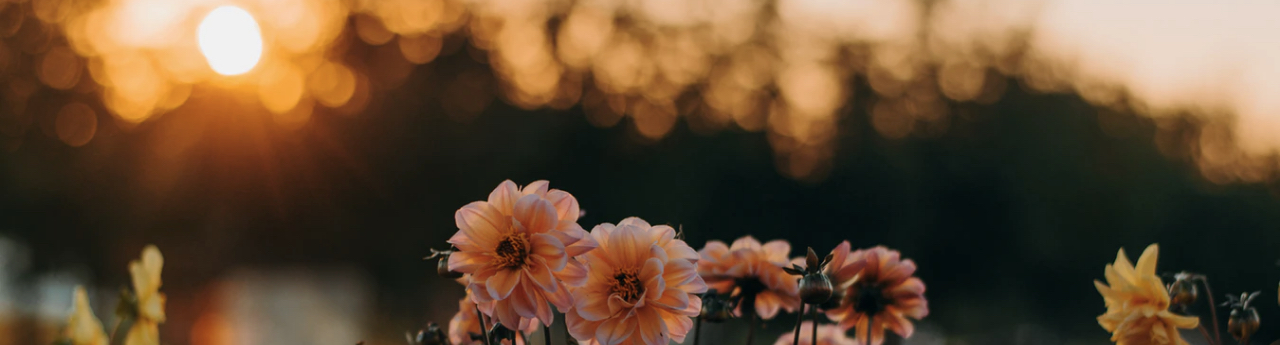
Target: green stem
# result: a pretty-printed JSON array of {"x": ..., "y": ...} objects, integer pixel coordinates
[{"x": 751, "y": 332}]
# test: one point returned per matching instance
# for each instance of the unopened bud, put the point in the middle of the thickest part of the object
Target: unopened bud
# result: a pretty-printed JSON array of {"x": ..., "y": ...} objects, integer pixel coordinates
[
  {"x": 815, "y": 288},
  {"x": 1183, "y": 292},
  {"x": 1243, "y": 323}
]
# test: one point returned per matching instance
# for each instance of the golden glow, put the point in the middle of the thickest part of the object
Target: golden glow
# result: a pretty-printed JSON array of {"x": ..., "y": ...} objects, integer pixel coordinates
[{"x": 230, "y": 40}]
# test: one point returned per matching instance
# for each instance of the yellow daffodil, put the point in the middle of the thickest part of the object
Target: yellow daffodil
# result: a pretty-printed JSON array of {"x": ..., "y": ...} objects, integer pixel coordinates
[
  {"x": 1138, "y": 305},
  {"x": 82, "y": 327},
  {"x": 150, "y": 307}
]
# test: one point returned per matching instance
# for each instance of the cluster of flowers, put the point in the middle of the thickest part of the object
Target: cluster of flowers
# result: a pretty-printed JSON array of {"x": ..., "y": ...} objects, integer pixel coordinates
[
  {"x": 1142, "y": 310},
  {"x": 521, "y": 252},
  {"x": 143, "y": 308}
]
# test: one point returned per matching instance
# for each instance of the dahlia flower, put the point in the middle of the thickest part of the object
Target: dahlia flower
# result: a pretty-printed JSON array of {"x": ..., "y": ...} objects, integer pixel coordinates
[
  {"x": 751, "y": 269},
  {"x": 875, "y": 285},
  {"x": 642, "y": 287},
  {"x": 516, "y": 249}
]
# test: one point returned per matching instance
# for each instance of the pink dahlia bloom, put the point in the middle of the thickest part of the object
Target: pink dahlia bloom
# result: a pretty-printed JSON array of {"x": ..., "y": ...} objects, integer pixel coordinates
[
  {"x": 747, "y": 267},
  {"x": 642, "y": 287},
  {"x": 876, "y": 284},
  {"x": 516, "y": 249}
]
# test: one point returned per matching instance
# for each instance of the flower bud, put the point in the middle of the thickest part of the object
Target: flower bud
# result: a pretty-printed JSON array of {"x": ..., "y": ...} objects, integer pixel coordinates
[
  {"x": 1183, "y": 292},
  {"x": 432, "y": 335},
  {"x": 716, "y": 308},
  {"x": 442, "y": 266},
  {"x": 815, "y": 288},
  {"x": 1243, "y": 323}
]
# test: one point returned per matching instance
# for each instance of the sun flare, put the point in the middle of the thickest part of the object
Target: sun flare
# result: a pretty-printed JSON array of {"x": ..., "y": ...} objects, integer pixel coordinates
[{"x": 230, "y": 40}]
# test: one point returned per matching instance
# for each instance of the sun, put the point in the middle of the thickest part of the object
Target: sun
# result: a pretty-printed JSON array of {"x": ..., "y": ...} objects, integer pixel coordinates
[{"x": 230, "y": 40}]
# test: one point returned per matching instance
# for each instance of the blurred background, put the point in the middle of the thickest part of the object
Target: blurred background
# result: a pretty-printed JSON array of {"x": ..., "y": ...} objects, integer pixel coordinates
[{"x": 1008, "y": 147}]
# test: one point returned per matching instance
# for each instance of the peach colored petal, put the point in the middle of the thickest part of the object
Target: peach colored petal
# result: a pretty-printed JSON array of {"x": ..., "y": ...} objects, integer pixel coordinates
[
  {"x": 694, "y": 308},
  {"x": 777, "y": 251},
  {"x": 574, "y": 273},
  {"x": 651, "y": 275},
  {"x": 591, "y": 307},
  {"x": 721, "y": 285},
  {"x": 506, "y": 314},
  {"x": 538, "y": 188},
  {"x": 550, "y": 249},
  {"x": 745, "y": 242},
  {"x": 899, "y": 272},
  {"x": 838, "y": 257},
  {"x": 579, "y": 327},
  {"x": 482, "y": 224},
  {"x": 536, "y": 214},
  {"x": 900, "y": 326},
  {"x": 613, "y": 331},
  {"x": 503, "y": 198},
  {"x": 576, "y": 240},
  {"x": 522, "y": 301},
  {"x": 682, "y": 274},
  {"x": 502, "y": 283},
  {"x": 767, "y": 304},
  {"x": 467, "y": 262},
  {"x": 560, "y": 298},
  {"x": 626, "y": 248},
  {"x": 678, "y": 325},
  {"x": 460, "y": 240},
  {"x": 673, "y": 299},
  {"x": 541, "y": 277},
  {"x": 650, "y": 326},
  {"x": 566, "y": 205},
  {"x": 713, "y": 251}
]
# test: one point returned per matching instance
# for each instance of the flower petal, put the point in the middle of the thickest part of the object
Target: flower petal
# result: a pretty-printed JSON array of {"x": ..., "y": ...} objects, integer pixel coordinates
[
  {"x": 502, "y": 283},
  {"x": 777, "y": 251},
  {"x": 574, "y": 273},
  {"x": 482, "y": 224},
  {"x": 579, "y": 328},
  {"x": 591, "y": 305},
  {"x": 550, "y": 249},
  {"x": 538, "y": 188},
  {"x": 467, "y": 262},
  {"x": 540, "y": 275},
  {"x": 614, "y": 331},
  {"x": 535, "y": 213},
  {"x": 650, "y": 326},
  {"x": 503, "y": 198},
  {"x": 566, "y": 205}
]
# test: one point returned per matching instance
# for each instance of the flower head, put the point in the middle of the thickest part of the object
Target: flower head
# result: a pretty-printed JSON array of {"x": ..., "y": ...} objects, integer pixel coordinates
[
  {"x": 1137, "y": 303},
  {"x": 150, "y": 302},
  {"x": 464, "y": 328},
  {"x": 82, "y": 327},
  {"x": 516, "y": 248},
  {"x": 827, "y": 335},
  {"x": 751, "y": 269},
  {"x": 876, "y": 285},
  {"x": 642, "y": 287}
]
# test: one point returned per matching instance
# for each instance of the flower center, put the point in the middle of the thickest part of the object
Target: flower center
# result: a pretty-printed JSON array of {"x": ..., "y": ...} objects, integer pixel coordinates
[
  {"x": 868, "y": 298},
  {"x": 627, "y": 285},
  {"x": 512, "y": 250}
]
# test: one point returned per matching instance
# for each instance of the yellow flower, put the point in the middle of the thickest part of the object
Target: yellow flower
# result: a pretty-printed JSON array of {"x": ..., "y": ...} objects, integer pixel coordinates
[
  {"x": 1138, "y": 305},
  {"x": 146, "y": 285},
  {"x": 83, "y": 328}
]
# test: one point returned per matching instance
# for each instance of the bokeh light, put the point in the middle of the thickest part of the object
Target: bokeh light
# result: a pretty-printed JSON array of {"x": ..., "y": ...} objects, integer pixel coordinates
[{"x": 230, "y": 40}]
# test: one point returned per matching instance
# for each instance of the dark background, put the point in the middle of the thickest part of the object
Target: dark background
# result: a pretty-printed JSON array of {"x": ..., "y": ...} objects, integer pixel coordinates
[{"x": 1010, "y": 214}]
